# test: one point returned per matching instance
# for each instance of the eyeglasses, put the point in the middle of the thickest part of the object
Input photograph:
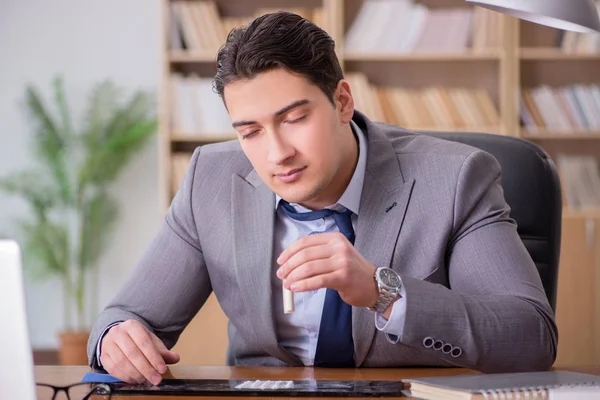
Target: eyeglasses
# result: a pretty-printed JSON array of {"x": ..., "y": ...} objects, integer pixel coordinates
[{"x": 76, "y": 391}]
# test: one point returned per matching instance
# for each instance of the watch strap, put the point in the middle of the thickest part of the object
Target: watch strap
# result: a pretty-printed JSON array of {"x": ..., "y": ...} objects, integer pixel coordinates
[{"x": 383, "y": 300}]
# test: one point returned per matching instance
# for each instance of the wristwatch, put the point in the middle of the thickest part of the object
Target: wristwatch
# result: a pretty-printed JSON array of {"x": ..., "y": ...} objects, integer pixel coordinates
[{"x": 389, "y": 284}]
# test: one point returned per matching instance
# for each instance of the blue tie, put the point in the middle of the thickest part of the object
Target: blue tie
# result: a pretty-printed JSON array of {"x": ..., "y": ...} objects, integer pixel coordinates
[{"x": 335, "y": 347}]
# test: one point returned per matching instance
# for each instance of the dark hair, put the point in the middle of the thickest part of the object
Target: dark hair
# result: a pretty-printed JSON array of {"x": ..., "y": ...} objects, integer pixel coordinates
[{"x": 279, "y": 40}]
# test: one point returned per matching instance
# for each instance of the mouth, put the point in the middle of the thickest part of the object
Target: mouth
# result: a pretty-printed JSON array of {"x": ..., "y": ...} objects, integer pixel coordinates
[{"x": 290, "y": 176}]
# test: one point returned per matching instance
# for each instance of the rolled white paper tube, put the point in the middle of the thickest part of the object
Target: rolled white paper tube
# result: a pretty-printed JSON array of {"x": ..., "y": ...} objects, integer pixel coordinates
[{"x": 288, "y": 301}]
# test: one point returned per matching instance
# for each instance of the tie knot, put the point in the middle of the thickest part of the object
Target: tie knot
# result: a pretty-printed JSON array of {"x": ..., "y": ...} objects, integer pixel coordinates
[
  {"x": 343, "y": 219},
  {"x": 291, "y": 212}
]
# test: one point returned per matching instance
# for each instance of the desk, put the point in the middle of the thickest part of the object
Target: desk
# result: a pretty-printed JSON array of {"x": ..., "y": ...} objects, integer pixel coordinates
[{"x": 64, "y": 375}]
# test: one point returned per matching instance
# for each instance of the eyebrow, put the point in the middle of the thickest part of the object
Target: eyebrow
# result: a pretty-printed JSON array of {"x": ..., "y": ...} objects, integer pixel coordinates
[{"x": 277, "y": 113}]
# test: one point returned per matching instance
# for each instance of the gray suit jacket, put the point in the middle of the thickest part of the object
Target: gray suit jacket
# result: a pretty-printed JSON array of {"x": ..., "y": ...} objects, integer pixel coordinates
[{"x": 469, "y": 280}]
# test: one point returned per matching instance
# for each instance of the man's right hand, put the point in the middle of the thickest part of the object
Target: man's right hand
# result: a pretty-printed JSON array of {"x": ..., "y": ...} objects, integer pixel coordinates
[{"x": 133, "y": 354}]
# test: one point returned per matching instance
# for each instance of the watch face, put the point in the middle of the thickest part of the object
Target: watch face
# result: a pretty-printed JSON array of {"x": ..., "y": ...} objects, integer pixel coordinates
[{"x": 389, "y": 278}]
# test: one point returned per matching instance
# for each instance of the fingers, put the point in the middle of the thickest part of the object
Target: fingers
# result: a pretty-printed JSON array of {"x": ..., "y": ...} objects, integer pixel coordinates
[
  {"x": 116, "y": 367},
  {"x": 169, "y": 357},
  {"x": 316, "y": 282},
  {"x": 327, "y": 260},
  {"x": 307, "y": 270},
  {"x": 306, "y": 241},
  {"x": 133, "y": 361},
  {"x": 302, "y": 257},
  {"x": 129, "y": 353},
  {"x": 147, "y": 345}
]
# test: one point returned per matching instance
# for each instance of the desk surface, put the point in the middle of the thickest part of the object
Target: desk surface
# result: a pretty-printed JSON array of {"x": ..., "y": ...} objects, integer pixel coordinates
[{"x": 64, "y": 375}]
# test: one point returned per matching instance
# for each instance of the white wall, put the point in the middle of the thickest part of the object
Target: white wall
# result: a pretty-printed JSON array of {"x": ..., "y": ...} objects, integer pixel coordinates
[{"x": 87, "y": 41}]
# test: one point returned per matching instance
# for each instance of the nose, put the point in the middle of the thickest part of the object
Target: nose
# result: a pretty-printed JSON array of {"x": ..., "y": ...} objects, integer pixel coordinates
[{"x": 279, "y": 149}]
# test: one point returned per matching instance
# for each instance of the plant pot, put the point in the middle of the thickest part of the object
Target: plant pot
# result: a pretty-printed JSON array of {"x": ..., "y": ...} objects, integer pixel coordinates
[{"x": 73, "y": 347}]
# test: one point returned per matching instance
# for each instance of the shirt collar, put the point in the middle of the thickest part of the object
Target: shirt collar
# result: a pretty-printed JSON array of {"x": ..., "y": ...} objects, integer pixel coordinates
[{"x": 350, "y": 199}]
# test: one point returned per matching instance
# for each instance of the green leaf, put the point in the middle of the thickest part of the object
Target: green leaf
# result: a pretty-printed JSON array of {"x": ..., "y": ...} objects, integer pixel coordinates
[
  {"x": 99, "y": 215},
  {"x": 103, "y": 106},
  {"x": 32, "y": 186},
  {"x": 113, "y": 137},
  {"x": 66, "y": 131},
  {"x": 107, "y": 161},
  {"x": 45, "y": 248},
  {"x": 139, "y": 108},
  {"x": 51, "y": 140}
]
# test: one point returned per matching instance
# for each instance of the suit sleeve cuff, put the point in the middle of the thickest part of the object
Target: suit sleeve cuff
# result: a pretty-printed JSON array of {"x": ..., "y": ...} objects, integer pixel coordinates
[
  {"x": 393, "y": 327},
  {"x": 97, "y": 363}
]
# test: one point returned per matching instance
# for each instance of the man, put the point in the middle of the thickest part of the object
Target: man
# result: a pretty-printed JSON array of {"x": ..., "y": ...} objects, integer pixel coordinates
[{"x": 399, "y": 247}]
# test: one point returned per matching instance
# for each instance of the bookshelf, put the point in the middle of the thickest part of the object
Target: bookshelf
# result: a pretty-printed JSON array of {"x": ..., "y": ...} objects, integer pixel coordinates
[
  {"x": 450, "y": 79},
  {"x": 552, "y": 54},
  {"x": 420, "y": 57}
]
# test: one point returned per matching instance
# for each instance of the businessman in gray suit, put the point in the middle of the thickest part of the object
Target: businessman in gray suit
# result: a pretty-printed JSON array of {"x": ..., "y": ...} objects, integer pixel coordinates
[{"x": 399, "y": 247}]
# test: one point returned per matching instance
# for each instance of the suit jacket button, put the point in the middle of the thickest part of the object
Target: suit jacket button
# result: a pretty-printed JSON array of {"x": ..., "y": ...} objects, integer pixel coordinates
[
  {"x": 438, "y": 345},
  {"x": 428, "y": 342},
  {"x": 456, "y": 352},
  {"x": 447, "y": 348}
]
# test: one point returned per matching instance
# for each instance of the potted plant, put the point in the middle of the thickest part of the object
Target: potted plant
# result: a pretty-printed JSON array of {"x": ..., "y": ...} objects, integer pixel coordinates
[{"x": 67, "y": 191}]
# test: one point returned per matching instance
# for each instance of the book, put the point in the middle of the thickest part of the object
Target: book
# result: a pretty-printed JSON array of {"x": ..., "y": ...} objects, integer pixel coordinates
[{"x": 522, "y": 385}]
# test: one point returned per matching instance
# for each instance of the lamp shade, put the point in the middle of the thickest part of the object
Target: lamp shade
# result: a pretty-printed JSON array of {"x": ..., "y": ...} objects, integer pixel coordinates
[{"x": 570, "y": 15}]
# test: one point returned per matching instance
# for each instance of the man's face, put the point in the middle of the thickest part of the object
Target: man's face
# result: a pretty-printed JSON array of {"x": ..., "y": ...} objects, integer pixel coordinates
[{"x": 300, "y": 144}]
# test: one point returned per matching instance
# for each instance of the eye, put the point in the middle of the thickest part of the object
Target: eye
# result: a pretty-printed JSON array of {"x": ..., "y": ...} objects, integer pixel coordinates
[
  {"x": 249, "y": 135},
  {"x": 293, "y": 121}
]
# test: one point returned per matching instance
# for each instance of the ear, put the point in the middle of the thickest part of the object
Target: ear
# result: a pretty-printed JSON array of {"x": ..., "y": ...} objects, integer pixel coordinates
[{"x": 344, "y": 101}]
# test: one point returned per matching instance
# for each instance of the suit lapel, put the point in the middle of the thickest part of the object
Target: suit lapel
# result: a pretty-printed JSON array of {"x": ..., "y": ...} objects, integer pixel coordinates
[
  {"x": 253, "y": 210},
  {"x": 385, "y": 197}
]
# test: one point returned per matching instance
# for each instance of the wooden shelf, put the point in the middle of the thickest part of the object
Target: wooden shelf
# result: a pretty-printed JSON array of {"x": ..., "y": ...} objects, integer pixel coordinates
[
  {"x": 201, "y": 138},
  {"x": 442, "y": 57},
  {"x": 482, "y": 129},
  {"x": 583, "y": 213},
  {"x": 548, "y": 135},
  {"x": 549, "y": 54},
  {"x": 191, "y": 57}
]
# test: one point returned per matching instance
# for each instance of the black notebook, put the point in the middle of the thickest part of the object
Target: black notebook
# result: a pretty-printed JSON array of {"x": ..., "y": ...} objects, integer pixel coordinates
[
  {"x": 270, "y": 388},
  {"x": 525, "y": 385}
]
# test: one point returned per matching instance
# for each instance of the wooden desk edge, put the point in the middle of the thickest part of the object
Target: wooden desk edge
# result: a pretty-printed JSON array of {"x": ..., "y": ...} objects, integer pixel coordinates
[{"x": 71, "y": 374}]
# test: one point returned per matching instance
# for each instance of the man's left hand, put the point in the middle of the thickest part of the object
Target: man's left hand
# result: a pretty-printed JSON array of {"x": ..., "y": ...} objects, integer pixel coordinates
[{"x": 328, "y": 260}]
